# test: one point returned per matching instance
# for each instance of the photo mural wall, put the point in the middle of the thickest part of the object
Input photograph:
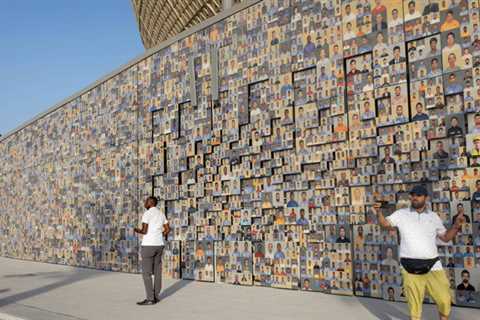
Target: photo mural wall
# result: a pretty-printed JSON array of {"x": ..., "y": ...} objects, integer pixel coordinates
[{"x": 267, "y": 136}]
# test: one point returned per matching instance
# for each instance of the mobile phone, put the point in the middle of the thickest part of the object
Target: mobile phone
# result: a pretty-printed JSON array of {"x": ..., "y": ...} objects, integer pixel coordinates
[{"x": 383, "y": 203}]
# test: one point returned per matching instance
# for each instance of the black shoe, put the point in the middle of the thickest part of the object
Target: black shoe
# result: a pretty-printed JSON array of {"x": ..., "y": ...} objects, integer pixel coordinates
[{"x": 146, "y": 302}]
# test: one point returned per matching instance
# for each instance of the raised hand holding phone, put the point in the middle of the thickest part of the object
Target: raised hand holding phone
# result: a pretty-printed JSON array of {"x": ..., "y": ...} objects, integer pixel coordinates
[
  {"x": 460, "y": 219},
  {"x": 376, "y": 207}
]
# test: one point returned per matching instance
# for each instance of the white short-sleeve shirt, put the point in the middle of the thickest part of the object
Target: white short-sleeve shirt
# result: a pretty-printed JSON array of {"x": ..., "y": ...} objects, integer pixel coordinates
[
  {"x": 155, "y": 220},
  {"x": 418, "y": 233}
]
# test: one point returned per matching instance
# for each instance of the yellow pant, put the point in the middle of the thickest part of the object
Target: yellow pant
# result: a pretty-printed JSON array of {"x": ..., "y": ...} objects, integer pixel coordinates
[{"x": 437, "y": 285}]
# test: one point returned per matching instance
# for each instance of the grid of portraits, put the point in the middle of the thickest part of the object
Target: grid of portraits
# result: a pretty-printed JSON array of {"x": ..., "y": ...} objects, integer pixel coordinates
[
  {"x": 197, "y": 260},
  {"x": 376, "y": 263},
  {"x": 326, "y": 263},
  {"x": 323, "y": 107},
  {"x": 171, "y": 267},
  {"x": 66, "y": 177},
  {"x": 276, "y": 264},
  {"x": 233, "y": 262}
]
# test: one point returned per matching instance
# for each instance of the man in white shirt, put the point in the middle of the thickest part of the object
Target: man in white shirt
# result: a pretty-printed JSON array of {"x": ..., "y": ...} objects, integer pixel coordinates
[
  {"x": 412, "y": 12},
  {"x": 397, "y": 98},
  {"x": 154, "y": 229},
  {"x": 395, "y": 20},
  {"x": 419, "y": 230},
  {"x": 348, "y": 15},
  {"x": 451, "y": 47},
  {"x": 476, "y": 123}
]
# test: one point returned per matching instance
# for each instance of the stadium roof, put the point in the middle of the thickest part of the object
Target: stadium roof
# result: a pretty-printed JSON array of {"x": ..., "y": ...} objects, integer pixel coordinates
[{"x": 159, "y": 20}]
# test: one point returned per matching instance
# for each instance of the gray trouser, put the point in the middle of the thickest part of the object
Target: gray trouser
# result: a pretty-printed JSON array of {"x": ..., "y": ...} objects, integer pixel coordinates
[{"x": 152, "y": 265}]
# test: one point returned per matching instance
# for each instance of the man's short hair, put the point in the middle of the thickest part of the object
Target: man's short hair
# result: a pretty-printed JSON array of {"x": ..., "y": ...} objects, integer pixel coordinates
[
  {"x": 465, "y": 271},
  {"x": 153, "y": 199}
]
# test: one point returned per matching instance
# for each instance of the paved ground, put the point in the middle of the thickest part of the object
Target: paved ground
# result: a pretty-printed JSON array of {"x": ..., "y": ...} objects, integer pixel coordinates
[{"x": 38, "y": 291}]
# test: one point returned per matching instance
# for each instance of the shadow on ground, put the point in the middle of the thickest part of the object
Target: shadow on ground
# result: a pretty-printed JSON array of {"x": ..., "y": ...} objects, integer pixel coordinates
[
  {"x": 382, "y": 309},
  {"x": 51, "y": 274},
  {"x": 25, "y": 275},
  {"x": 67, "y": 278},
  {"x": 77, "y": 276},
  {"x": 180, "y": 284}
]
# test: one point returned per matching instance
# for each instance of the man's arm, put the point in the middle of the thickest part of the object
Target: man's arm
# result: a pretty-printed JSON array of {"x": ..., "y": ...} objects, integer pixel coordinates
[
  {"x": 452, "y": 232},
  {"x": 143, "y": 230},
  {"x": 166, "y": 229},
  {"x": 381, "y": 219}
]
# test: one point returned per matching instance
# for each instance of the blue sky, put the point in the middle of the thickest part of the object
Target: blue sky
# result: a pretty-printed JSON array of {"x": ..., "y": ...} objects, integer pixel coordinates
[{"x": 52, "y": 49}]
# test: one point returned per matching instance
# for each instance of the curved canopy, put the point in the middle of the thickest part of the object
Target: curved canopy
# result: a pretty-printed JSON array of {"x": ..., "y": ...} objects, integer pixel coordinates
[{"x": 159, "y": 20}]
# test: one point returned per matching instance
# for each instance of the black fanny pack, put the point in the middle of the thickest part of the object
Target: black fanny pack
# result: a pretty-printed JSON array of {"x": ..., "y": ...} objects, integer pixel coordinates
[{"x": 418, "y": 266}]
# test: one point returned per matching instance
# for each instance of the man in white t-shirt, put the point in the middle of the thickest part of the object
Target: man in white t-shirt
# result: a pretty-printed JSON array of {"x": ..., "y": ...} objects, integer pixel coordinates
[
  {"x": 154, "y": 229},
  {"x": 412, "y": 12},
  {"x": 419, "y": 230}
]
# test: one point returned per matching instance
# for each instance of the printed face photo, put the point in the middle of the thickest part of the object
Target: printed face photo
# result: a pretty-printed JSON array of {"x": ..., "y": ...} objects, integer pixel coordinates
[
  {"x": 412, "y": 9},
  {"x": 466, "y": 288},
  {"x": 449, "y": 20},
  {"x": 473, "y": 144},
  {"x": 419, "y": 112},
  {"x": 450, "y": 45},
  {"x": 358, "y": 196},
  {"x": 474, "y": 123},
  {"x": 455, "y": 125},
  {"x": 453, "y": 82}
]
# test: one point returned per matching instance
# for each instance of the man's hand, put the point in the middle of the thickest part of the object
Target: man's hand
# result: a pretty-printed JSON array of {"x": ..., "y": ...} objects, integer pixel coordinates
[
  {"x": 143, "y": 230},
  {"x": 377, "y": 211},
  {"x": 459, "y": 220},
  {"x": 451, "y": 233},
  {"x": 376, "y": 207},
  {"x": 166, "y": 230}
]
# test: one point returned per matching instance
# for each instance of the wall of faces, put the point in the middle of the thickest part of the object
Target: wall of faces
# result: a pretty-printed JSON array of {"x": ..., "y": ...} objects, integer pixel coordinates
[{"x": 323, "y": 107}]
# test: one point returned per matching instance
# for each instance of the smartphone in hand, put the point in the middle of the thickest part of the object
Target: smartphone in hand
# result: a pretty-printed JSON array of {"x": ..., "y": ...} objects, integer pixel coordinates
[{"x": 383, "y": 203}]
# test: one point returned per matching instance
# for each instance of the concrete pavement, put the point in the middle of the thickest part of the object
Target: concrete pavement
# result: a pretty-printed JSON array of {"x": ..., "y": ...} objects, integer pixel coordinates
[{"x": 38, "y": 291}]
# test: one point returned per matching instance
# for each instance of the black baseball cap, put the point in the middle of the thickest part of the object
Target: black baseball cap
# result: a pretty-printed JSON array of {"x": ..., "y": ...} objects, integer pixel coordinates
[{"x": 419, "y": 190}]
